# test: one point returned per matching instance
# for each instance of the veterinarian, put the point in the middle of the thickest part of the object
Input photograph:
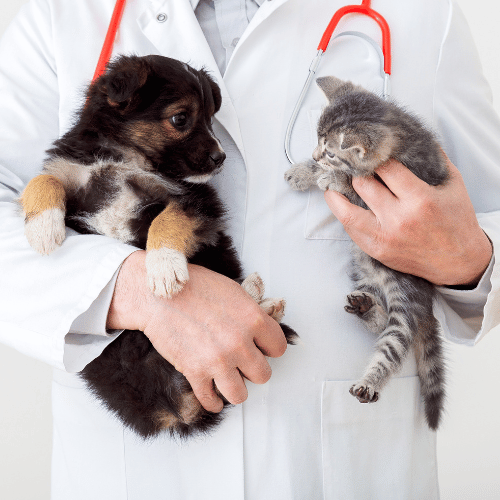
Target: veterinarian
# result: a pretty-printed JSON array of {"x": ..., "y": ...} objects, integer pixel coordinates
[{"x": 298, "y": 433}]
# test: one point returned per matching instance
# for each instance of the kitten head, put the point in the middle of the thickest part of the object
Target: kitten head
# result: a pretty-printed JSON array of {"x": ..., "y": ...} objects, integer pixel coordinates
[{"x": 353, "y": 133}]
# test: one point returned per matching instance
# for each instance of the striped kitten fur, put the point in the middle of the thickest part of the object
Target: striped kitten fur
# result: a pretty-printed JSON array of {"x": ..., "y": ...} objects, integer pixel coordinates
[{"x": 357, "y": 132}]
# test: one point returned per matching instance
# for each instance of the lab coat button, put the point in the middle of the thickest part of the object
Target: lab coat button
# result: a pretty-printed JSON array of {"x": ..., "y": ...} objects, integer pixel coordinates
[
  {"x": 235, "y": 42},
  {"x": 161, "y": 17}
]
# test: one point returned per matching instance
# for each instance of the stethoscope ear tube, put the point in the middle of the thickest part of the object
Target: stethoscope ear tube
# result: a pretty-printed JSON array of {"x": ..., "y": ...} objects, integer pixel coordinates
[{"x": 312, "y": 72}]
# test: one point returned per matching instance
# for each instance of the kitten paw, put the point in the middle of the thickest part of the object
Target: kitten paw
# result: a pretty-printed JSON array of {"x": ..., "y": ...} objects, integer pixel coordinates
[
  {"x": 167, "y": 271},
  {"x": 367, "y": 307},
  {"x": 359, "y": 303},
  {"x": 364, "y": 393},
  {"x": 302, "y": 176},
  {"x": 327, "y": 181},
  {"x": 46, "y": 231}
]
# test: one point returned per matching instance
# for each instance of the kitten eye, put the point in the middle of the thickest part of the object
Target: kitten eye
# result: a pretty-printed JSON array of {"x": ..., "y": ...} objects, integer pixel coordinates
[
  {"x": 179, "y": 120},
  {"x": 330, "y": 156}
]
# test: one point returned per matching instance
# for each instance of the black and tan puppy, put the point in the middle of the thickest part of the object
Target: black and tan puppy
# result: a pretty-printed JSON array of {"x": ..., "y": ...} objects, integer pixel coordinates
[{"x": 135, "y": 167}]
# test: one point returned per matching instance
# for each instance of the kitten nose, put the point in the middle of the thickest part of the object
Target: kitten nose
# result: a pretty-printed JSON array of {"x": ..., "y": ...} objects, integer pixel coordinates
[{"x": 218, "y": 157}]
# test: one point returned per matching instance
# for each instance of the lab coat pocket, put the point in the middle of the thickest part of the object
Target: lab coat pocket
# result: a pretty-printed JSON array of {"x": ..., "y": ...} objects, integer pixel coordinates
[
  {"x": 380, "y": 451},
  {"x": 321, "y": 224}
]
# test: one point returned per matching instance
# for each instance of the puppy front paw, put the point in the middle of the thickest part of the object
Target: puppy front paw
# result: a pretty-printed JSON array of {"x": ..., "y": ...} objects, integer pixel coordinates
[
  {"x": 167, "y": 271},
  {"x": 46, "y": 231}
]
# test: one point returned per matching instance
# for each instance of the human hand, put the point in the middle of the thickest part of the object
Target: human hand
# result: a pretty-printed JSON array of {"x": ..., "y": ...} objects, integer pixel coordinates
[
  {"x": 427, "y": 231},
  {"x": 213, "y": 332}
]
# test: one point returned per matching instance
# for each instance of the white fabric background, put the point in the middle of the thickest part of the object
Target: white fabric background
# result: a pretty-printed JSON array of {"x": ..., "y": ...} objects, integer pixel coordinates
[{"x": 468, "y": 444}]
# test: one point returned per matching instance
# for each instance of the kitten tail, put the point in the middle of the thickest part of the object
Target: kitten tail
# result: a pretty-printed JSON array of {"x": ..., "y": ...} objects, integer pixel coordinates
[{"x": 430, "y": 366}]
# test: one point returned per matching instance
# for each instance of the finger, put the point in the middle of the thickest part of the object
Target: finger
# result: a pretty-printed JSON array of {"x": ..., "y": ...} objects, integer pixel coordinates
[
  {"x": 206, "y": 395},
  {"x": 270, "y": 338},
  {"x": 375, "y": 194},
  {"x": 354, "y": 219},
  {"x": 255, "y": 367},
  {"x": 400, "y": 180},
  {"x": 232, "y": 386}
]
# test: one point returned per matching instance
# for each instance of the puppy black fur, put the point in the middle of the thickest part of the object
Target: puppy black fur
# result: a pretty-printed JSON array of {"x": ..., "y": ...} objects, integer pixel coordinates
[{"x": 145, "y": 130}]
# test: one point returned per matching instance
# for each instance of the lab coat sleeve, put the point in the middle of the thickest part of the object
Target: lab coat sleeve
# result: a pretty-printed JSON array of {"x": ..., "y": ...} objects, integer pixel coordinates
[
  {"x": 42, "y": 296},
  {"x": 470, "y": 132}
]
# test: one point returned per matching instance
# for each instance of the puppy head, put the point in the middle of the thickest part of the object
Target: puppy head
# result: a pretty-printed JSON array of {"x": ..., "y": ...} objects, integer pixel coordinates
[{"x": 162, "y": 108}]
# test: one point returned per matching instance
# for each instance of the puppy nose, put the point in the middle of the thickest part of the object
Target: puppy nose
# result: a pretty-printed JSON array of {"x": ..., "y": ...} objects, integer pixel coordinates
[{"x": 218, "y": 157}]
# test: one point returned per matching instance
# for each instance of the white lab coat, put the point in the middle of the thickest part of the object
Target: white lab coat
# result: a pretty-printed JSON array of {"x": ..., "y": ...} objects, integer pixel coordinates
[{"x": 300, "y": 436}]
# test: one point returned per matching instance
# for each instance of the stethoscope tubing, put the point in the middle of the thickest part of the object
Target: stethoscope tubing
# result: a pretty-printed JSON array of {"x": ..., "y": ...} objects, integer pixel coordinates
[{"x": 107, "y": 47}]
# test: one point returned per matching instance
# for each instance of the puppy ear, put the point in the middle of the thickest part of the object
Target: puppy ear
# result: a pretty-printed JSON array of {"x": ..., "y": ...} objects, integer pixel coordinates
[
  {"x": 216, "y": 94},
  {"x": 122, "y": 80}
]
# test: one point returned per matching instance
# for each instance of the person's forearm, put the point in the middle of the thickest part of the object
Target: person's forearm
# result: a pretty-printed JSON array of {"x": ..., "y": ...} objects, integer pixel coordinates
[{"x": 212, "y": 331}]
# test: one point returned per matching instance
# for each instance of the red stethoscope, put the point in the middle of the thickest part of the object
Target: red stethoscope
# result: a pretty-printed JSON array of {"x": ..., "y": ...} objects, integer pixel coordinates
[
  {"x": 364, "y": 9},
  {"x": 384, "y": 55}
]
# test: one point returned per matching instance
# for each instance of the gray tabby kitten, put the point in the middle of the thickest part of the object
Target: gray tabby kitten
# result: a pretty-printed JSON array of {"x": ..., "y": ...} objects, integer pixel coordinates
[{"x": 357, "y": 132}]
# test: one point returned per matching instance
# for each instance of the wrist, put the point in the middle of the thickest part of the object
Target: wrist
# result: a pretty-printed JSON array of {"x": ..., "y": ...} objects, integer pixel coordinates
[
  {"x": 130, "y": 308},
  {"x": 475, "y": 263}
]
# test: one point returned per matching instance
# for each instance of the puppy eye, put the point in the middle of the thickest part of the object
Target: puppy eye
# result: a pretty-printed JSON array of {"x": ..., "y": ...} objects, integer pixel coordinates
[{"x": 180, "y": 120}]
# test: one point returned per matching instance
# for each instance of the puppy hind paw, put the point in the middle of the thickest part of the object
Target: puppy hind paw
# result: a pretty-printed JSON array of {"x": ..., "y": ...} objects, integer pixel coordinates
[
  {"x": 46, "y": 231},
  {"x": 167, "y": 271},
  {"x": 274, "y": 308},
  {"x": 254, "y": 286}
]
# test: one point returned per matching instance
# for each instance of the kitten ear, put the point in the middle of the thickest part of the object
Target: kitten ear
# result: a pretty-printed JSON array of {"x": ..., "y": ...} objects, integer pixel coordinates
[
  {"x": 360, "y": 151},
  {"x": 357, "y": 149},
  {"x": 333, "y": 87}
]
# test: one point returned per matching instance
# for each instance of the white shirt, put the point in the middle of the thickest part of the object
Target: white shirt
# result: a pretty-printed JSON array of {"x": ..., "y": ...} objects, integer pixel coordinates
[{"x": 223, "y": 22}]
